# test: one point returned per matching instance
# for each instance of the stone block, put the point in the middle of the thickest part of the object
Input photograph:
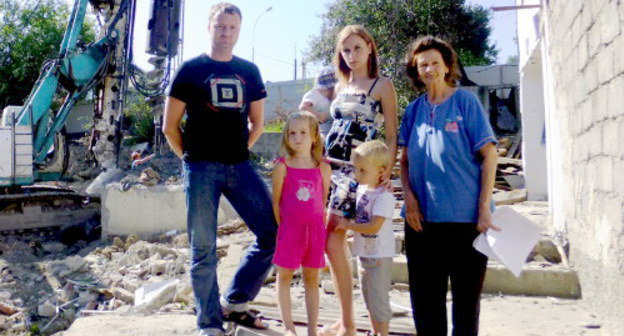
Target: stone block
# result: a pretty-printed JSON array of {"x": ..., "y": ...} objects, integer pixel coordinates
[
  {"x": 591, "y": 76},
  {"x": 600, "y": 103},
  {"x": 618, "y": 177},
  {"x": 609, "y": 21},
  {"x": 556, "y": 281},
  {"x": 604, "y": 174},
  {"x": 618, "y": 51},
  {"x": 611, "y": 143},
  {"x": 614, "y": 97},
  {"x": 605, "y": 64},
  {"x": 593, "y": 38},
  {"x": 595, "y": 140},
  {"x": 268, "y": 145},
  {"x": 582, "y": 52},
  {"x": 145, "y": 211}
]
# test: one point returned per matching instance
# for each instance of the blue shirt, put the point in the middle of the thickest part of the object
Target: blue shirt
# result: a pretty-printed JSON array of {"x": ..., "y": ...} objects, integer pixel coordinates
[{"x": 442, "y": 146}]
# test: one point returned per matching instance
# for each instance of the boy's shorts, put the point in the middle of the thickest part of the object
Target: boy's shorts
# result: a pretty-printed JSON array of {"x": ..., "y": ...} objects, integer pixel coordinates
[{"x": 376, "y": 283}]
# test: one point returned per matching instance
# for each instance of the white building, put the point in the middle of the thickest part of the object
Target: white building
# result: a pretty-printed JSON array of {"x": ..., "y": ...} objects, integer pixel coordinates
[{"x": 571, "y": 83}]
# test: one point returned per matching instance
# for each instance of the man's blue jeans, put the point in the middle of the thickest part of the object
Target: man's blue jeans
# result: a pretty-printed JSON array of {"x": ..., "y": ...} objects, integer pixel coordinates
[{"x": 204, "y": 183}]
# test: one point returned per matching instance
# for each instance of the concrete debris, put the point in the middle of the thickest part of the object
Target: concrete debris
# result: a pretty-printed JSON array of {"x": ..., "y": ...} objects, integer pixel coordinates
[
  {"x": 110, "y": 175},
  {"x": 123, "y": 295},
  {"x": 46, "y": 309},
  {"x": 74, "y": 263},
  {"x": 7, "y": 309},
  {"x": 148, "y": 298},
  {"x": 149, "y": 177},
  {"x": 53, "y": 247}
]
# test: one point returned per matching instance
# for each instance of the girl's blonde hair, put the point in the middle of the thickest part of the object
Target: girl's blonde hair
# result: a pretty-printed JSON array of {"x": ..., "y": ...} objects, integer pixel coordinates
[
  {"x": 342, "y": 69},
  {"x": 317, "y": 146}
]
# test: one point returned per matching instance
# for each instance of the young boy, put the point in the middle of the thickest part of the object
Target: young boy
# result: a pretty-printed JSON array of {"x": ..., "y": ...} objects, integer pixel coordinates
[{"x": 373, "y": 240}]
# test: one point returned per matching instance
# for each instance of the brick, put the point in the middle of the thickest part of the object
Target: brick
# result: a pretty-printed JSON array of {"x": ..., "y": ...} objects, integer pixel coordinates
[
  {"x": 605, "y": 64},
  {"x": 600, "y": 103},
  {"x": 610, "y": 139},
  {"x": 584, "y": 116},
  {"x": 586, "y": 18},
  {"x": 611, "y": 208},
  {"x": 609, "y": 20},
  {"x": 615, "y": 91},
  {"x": 618, "y": 55},
  {"x": 591, "y": 76},
  {"x": 581, "y": 149},
  {"x": 618, "y": 178},
  {"x": 594, "y": 40},
  {"x": 582, "y": 52},
  {"x": 595, "y": 7},
  {"x": 595, "y": 141},
  {"x": 604, "y": 174},
  {"x": 575, "y": 124}
]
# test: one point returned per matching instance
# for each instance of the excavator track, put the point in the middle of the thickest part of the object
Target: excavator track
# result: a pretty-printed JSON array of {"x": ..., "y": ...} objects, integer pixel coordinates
[{"x": 42, "y": 207}]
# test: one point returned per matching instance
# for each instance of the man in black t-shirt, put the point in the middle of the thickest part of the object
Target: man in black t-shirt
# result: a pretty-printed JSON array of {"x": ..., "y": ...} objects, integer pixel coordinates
[{"x": 223, "y": 98}]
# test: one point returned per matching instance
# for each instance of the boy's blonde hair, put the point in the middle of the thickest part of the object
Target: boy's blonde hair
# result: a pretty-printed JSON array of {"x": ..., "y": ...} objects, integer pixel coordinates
[
  {"x": 376, "y": 152},
  {"x": 317, "y": 144}
]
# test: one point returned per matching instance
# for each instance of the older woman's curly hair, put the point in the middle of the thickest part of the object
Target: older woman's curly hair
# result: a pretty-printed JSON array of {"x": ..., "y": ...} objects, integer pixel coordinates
[{"x": 449, "y": 56}]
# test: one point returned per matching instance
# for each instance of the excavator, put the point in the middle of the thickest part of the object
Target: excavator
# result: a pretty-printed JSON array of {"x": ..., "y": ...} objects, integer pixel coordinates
[{"x": 33, "y": 143}]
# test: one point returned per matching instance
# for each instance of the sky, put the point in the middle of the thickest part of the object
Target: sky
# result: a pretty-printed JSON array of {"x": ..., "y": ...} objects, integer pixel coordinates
[{"x": 283, "y": 33}]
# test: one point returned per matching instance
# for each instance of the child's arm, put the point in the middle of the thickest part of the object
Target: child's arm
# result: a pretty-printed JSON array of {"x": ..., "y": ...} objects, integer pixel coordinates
[
  {"x": 371, "y": 227},
  {"x": 326, "y": 172},
  {"x": 279, "y": 172}
]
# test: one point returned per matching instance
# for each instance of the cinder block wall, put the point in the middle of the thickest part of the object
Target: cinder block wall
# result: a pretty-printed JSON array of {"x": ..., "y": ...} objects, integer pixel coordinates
[{"x": 586, "y": 51}]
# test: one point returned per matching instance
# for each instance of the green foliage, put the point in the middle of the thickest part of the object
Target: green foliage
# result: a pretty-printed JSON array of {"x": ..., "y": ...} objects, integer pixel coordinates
[
  {"x": 513, "y": 59},
  {"x": 30, "y": 33},
  {"x": 275, "y": 125},
  {"x": 139, "y": 117},
  {"x": 34, "y": 329},
  {"x": 394, "y": 24}
]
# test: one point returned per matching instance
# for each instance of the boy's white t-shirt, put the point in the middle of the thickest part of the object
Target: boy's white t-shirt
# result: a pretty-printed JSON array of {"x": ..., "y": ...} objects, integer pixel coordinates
[{"x": 369, "y": 203}]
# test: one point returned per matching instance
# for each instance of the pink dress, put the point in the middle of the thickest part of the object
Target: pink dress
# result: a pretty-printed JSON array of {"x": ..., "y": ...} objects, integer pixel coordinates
[{"x": 301, "y": 234}]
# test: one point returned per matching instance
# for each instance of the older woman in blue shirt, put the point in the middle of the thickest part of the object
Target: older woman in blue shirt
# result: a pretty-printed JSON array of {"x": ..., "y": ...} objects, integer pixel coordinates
[{"x": 448, "y": 167}]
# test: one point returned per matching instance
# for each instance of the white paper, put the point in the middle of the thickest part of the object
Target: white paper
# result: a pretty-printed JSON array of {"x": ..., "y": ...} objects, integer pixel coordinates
[{"x": 510, "y": 246}]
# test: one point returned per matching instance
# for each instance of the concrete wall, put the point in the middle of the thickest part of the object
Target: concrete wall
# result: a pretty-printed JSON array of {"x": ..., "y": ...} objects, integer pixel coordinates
[
  {"x": 146, "y": 211},
  {"x": 582, "y": 47},
  {"x": 493, "y": 75},
  {"x": 284, "y": 97}
]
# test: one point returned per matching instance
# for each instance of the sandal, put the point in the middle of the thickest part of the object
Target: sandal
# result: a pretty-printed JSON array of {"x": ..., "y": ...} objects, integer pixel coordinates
[{"x": 245, "y": 319}]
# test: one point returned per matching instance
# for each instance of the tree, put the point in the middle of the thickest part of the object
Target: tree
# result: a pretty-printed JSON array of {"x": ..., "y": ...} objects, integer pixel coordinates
[
  {"x": 513, "y": 59},
  {"x": 30, "y": 33},
  {"x": 395, "y": 23}
]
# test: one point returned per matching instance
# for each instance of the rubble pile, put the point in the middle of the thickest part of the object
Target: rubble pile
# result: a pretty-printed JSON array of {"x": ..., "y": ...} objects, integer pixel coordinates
[{"x": 44, "y": 289}]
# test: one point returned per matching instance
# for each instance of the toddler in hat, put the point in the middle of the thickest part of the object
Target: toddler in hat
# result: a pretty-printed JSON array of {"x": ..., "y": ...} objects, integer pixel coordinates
[{"x": 318, "y": 100}]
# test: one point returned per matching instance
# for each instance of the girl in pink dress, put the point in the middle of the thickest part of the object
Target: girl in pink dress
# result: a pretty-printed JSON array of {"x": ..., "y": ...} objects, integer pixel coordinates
[{"x": 300, "y": 188}]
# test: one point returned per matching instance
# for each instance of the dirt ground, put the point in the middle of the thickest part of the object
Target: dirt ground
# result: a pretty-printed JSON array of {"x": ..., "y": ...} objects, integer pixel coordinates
[{"x": 500, "y": 315}]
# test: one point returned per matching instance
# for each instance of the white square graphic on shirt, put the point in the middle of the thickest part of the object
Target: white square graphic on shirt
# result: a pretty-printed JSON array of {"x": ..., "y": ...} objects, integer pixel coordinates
[{"x": 226, "y": 92}]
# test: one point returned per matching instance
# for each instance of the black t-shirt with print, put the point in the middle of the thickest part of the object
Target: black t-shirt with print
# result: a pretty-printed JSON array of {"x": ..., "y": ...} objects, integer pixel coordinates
[{"x": 217, "y": 97}]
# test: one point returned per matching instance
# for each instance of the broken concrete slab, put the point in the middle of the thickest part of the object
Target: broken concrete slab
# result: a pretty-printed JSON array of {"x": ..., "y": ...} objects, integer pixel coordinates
[
  {"x": 510, "y": 197},
  {"x": 148, "y": 298},
  {"x": 535, "y": 280},
  {"x": 144, "y": 211}
]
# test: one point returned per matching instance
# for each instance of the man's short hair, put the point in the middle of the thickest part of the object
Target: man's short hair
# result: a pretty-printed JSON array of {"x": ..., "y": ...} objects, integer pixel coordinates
[{"x": 224, "y": 7}]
